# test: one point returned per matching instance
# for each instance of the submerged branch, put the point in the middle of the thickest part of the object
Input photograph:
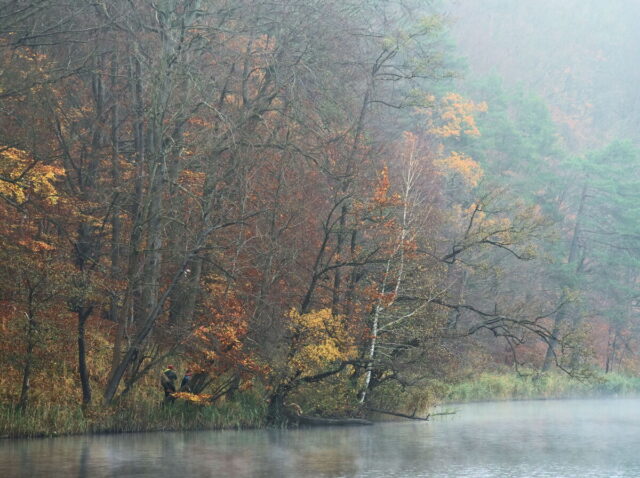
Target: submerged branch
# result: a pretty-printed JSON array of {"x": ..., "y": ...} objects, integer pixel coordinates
[{"x": 410, "y": 417}]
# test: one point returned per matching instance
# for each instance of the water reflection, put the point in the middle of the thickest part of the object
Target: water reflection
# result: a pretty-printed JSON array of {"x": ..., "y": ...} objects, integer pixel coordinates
[{"x": 591, "y": 438}]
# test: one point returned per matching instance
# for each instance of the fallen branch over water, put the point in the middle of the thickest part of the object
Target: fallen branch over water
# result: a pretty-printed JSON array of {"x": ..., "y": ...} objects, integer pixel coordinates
[
  {"x": 318, "y": 421},
  {"x": 410, "y": 417},
  {"x": 293, "y": 412}
]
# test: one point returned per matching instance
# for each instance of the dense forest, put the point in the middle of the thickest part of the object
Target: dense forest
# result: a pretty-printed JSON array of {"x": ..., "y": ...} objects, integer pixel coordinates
[{"x": 332, "y": 206}]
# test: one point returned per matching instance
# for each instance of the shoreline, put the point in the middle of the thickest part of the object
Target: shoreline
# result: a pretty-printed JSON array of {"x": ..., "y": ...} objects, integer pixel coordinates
[{"x": 145, "y": 414}]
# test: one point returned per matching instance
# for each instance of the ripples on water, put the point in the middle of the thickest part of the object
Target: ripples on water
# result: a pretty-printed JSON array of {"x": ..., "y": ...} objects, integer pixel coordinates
[{"x": 554, "y": 439}]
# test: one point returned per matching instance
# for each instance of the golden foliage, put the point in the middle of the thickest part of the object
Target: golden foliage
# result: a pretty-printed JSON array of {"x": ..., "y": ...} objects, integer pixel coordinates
[
  {"x": 20, "y": 174},
  {"x": 320, "y": 338},
  {"x": 456, "y": 117},
  {"x": 453, "y": 118},
  {"x": 198, "y": 399},
  {"x": 463, "y": 165}
]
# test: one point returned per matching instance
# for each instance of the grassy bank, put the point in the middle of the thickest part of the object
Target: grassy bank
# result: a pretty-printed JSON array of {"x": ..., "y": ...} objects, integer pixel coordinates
[
  {"x": 511, "y": 386},
  {"x": 134, "y": 415},
  {"x": 144, "y": 410}
]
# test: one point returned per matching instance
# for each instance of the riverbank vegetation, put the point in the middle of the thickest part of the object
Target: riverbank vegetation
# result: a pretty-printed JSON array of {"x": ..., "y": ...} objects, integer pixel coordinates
[
  {"x": 533, "y": 386},
  {"x": 140, "y": 414},
  {"x": 310, "y": 205}
]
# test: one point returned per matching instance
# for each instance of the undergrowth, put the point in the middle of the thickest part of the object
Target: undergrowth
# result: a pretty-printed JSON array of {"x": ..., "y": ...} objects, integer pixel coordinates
[
  {"x": 133, "y": 415},
  {"x": 512, "y": 386}
]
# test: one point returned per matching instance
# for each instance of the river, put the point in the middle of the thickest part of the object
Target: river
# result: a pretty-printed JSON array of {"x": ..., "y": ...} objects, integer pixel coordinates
[{"x": 554, "y": 439}]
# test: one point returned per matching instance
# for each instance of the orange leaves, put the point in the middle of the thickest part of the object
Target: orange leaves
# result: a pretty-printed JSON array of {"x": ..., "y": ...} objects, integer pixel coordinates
[
  {"x": 455, "y": 117},
  {"x": 36, "y": 246},
  {"x": 217, "y": 345},
  {"x": 382, "y": 196},
  {"x": 223, "y": 304}
]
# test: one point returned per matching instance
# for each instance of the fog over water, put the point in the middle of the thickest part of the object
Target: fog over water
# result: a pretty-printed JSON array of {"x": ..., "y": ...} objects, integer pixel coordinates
[{"x": 563, "y": 438}]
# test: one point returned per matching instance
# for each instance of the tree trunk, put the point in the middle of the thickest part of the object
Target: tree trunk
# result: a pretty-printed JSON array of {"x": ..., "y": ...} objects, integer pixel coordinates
[
  {"x": 140, "y": 337},
  {"x": 184, "y": 298},
  {"x": 276, "y": 412},
  {"x": 26, "y": 379},
  {"x": 83, "y": 315},
  {"x": 32, "y": 326},
  {"x": 550, "y": 356}
]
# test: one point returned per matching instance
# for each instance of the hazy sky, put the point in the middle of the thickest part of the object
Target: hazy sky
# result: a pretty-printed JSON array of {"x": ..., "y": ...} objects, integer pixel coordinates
[{"x": 581, "y": 56}]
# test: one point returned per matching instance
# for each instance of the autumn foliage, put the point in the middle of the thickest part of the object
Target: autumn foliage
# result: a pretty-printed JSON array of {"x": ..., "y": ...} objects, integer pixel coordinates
[{"x": 261, "y": 194}]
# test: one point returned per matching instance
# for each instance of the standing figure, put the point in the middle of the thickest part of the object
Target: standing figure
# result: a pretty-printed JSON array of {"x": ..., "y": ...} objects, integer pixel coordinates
[
  {"x": 167, "y": 380},
  {"x": 184, "y": 385}
]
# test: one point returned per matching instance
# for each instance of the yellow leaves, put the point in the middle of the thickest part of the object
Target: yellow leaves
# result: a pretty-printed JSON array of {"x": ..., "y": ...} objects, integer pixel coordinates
[
  {"x": 320, "y": 338},
  {"x": 463, "y": 165},
  {"x": 20, "y": 174},
  {"x": 201, "y": 399},
  {"x": 454, "y": 117}
]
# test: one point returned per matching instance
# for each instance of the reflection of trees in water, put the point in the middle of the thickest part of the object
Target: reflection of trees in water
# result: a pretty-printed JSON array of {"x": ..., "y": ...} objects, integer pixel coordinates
[
  {"x": 330, "y": 462},
  {"x": 246, "y": 454},
  {"x": 83, "y": 469}
]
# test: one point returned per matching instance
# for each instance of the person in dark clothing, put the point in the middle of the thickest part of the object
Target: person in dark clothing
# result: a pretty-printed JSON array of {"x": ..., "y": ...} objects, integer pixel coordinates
[
  {"x": 167, "y": 380},
  {"x": 185, "y": 384}
]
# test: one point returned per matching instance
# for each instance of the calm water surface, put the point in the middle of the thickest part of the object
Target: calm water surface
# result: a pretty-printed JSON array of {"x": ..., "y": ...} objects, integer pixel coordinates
[{"x": 555, "y": 439}]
